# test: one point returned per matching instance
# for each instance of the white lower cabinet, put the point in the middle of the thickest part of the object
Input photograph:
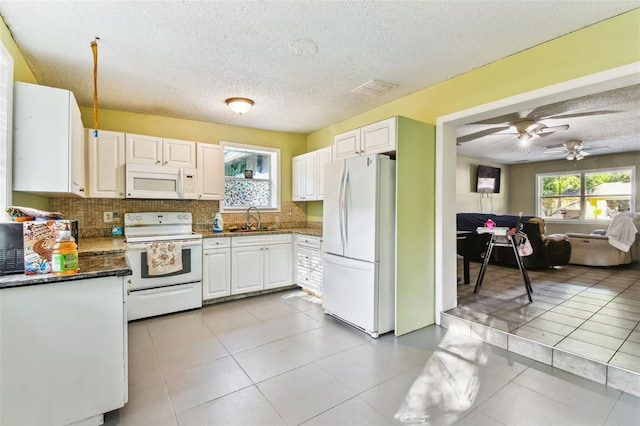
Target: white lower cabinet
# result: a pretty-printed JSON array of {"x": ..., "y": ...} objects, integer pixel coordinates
[
  {"x": 309, "y": 263},
  {"x": 261, "y": 262},
  {"x": 63, "y": 357},
  {"x": 216, "y": 267}
]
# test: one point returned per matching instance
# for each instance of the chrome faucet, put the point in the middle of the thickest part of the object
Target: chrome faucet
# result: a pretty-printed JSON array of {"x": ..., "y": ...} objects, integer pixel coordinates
[{"x": 249, "y": 217}]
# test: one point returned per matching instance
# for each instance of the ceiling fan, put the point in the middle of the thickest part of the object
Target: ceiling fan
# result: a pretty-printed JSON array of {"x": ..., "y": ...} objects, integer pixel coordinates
[
  {"x": 575, "y": 150},
  {"x": 529, "y": 125},
  {"x": 524, "y": 130}
]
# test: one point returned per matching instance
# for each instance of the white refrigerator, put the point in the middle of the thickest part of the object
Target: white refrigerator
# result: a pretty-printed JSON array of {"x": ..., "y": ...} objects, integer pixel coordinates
[{"x": 358, "y": 280}]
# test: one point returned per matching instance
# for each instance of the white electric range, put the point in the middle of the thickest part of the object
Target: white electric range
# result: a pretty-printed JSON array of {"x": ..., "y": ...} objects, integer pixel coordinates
[{"x": 151, "y": 294}]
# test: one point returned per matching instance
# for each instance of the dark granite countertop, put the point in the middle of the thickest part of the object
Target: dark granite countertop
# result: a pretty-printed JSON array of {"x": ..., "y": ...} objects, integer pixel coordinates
[
  {"x": 303, "y": 231},
  {"x": 96, "y": 266},
  {"x": 98, "y": 257},
  {"x": 103, "y": 257}
]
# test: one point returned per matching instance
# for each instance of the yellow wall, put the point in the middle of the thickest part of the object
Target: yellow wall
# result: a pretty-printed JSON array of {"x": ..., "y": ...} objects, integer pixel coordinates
[
  {"x": 290, "y": 144},
  {"x": 608, "y": 44},
  {"x": 605, "y": 45},
  {"x": 21, "y": 71}
]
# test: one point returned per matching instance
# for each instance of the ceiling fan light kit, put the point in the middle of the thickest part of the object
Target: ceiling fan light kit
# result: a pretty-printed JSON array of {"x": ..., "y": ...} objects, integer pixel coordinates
[{"x": 239, "y": 105}]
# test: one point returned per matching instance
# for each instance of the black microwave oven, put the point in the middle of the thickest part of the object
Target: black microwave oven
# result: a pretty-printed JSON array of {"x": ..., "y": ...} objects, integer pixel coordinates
[{"x": 12, "y": 246}]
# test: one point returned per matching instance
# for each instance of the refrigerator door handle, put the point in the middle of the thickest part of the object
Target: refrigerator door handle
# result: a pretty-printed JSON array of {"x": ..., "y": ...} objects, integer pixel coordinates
[
  {"x": 341, "y": 209},
  {"x": 346, "y": 209}
]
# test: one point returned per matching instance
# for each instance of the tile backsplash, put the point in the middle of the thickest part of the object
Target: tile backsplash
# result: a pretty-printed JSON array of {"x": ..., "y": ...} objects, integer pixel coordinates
[{"x": 89, "y": 213}]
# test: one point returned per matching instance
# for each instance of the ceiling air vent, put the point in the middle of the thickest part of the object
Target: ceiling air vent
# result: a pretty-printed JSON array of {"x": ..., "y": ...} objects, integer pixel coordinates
[{"x": 374, "y": 88}]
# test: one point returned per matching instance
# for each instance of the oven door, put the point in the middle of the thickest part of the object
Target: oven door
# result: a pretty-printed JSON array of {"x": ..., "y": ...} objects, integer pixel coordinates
[{"x": 191, "y": 266}]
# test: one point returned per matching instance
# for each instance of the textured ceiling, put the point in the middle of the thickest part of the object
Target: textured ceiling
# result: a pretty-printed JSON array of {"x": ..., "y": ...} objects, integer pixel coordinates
[
  {"x": 605, "y": 123},
  {"x": 297, "y": 60}
]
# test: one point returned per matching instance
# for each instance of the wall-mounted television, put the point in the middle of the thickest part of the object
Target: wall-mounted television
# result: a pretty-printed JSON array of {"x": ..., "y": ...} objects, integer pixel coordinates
[{"x": 488, "y": 180}]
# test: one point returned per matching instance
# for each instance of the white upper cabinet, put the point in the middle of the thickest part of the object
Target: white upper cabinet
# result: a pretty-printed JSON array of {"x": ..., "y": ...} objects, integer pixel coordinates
[
  {"x": 308, "y": 174},
  {"x": 48, "y": 141},
  {"x": 106, "y": 164},
  {"x": 323, "y": 156},
  {"x": 151, "y": 150},
  {"x": 374, "y": 138},
  {"x": 346, "y": 145},
  {"x": 304, "y": 177},
  {"x": 143, "y": 149},
  {"x": 177, "y": 153},
  {"x": 210, "y": 171}
]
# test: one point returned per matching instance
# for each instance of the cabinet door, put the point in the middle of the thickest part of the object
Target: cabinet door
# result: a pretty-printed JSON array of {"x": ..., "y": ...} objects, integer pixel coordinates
[
  {"x": 48, "y": 140},
  {"x": 216, "y": 273},
  {"x": 177, "y": 153},
  {"x": 247, "y": 269},
  {"x": 309, "y": 181},
  {"x": 323, "y": 156},
  {"x": 78, "y": 185},
  {"x": 106, "y": 164},
  {"x": 379, "y": 137},
  {"x": 67, "y": 356},
  {"x": 297, "y": 178},
  {"x": 143, "y": 149},
  {"x": 278, "y": 265},
  {"x": 346, "y": 145},
  {"x": 210, "y": 161}
]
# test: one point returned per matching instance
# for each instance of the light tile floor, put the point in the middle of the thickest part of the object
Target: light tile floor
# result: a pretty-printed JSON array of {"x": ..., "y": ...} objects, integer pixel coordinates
[
  {"x": 582, "y": 319},
  {"x": 279, "y": 360}
]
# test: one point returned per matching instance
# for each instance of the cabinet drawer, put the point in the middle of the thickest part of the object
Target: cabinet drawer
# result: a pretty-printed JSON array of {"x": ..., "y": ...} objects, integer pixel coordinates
[
  {"x": 216, "y": 242},
  {"x": 309, "y": 279},
  {"x": 309, "y": 258},
  {"x": 309, "y": 241},
  {"x": 258, "y": 240}
]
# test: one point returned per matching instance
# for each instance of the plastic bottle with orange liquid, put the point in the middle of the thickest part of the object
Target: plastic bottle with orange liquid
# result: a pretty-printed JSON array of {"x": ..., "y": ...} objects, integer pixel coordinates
[{"x": 64, "y": 260}]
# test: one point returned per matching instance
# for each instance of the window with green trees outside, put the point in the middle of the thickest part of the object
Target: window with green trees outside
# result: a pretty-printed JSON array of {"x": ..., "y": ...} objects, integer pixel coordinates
[{"x": 586, "y": 195}]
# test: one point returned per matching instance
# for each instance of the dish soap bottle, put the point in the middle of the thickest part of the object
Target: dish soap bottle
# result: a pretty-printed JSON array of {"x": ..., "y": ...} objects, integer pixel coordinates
[
  {"x": 218, "y": 225},
  {"x": 64, "y": 260}
]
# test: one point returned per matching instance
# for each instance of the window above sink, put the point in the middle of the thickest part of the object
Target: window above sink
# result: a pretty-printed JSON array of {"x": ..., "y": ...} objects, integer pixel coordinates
[{"x": 252, "y": 177}]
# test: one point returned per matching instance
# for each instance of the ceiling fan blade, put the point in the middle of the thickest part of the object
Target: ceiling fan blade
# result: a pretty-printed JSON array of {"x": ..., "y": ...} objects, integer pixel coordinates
[
  {"x": 552, "y": 129},
  {"x": 503, "y": 119},
  {"x": 504, "y": 139},
  {"x": 580, "y": 114},
  {"x": 555, "y": 151},
  {"x": 558, "y": 145},
  {"x": 480, "y": 134}
]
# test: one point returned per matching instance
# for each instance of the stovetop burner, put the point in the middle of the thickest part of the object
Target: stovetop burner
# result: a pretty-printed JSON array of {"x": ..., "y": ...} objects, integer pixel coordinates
[{"x": 159, "y": 226}]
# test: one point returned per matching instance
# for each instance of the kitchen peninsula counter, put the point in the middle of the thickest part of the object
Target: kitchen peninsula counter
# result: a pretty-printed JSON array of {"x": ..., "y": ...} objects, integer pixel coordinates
[{"x": 64, "y": 356}]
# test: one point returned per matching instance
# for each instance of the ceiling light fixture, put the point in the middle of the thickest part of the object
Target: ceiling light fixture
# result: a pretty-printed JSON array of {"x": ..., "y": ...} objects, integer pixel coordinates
[
  {"x": 239, "y": 105},
  {"x": 524, "y": 138}
]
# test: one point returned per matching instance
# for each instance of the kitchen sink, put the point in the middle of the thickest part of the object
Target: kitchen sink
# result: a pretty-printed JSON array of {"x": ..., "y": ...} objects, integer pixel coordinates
[{"x": 255, "y": 230}]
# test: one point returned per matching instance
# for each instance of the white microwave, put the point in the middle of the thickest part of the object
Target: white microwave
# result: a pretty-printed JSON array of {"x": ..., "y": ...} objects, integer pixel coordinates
[{"x": 149, "y": 181}]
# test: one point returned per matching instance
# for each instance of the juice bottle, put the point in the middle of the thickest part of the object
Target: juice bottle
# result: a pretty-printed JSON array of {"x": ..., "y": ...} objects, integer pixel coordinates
[{"x": 64, "y": 260}]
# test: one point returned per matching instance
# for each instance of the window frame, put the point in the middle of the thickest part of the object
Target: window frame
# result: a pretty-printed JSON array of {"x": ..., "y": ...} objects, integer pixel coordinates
[
  {"x": 583, "y": 196},
  {"x": 276, "y": 179},
  {"x": 6, "y": 104}
]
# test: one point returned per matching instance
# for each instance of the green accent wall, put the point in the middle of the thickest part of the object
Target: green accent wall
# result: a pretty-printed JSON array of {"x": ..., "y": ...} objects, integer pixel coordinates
[{"x": 415, "y": 225}]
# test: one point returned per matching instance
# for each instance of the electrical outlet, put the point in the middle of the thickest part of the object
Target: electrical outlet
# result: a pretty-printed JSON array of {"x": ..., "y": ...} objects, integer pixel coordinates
[{"x": 107, "y": 217}]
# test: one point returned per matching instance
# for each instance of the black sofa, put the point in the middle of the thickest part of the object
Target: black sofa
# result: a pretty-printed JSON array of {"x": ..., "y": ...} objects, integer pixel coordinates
[{"x": 548, "y": 251}]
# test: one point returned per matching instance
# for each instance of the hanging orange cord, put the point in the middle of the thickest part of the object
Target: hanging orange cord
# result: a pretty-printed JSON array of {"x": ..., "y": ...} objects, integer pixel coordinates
[{"x": 94, "y": 48}]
